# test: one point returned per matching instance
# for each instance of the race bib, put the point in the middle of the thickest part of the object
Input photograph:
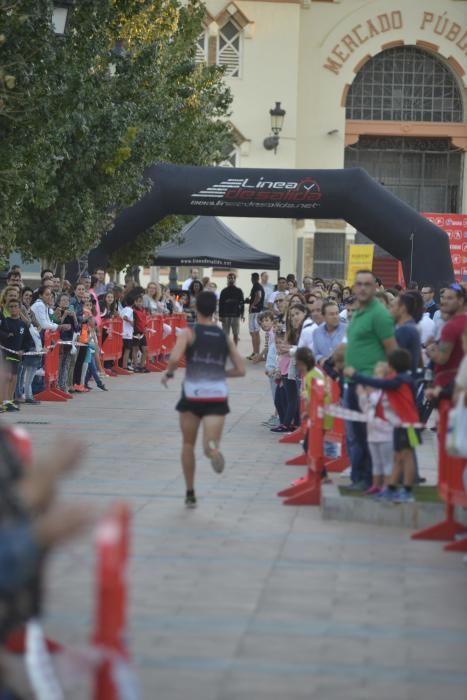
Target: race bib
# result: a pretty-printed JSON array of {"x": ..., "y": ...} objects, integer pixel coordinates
[{"x": 205, "y": 390}]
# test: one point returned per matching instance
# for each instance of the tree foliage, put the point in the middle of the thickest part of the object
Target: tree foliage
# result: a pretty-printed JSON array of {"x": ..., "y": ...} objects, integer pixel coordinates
[{"x": 82, "y": 116}]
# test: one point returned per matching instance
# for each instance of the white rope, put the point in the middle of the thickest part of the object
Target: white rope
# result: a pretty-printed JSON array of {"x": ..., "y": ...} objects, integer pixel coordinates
[
  {"x": 338, "y": 411},
  {"x": 47, "y": 683}
]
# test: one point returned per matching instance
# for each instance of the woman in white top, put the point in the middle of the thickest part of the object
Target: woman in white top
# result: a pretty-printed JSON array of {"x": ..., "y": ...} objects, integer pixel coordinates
[
  {"x": 42, "y": 311},
  {"x": 152, "y": 299}
]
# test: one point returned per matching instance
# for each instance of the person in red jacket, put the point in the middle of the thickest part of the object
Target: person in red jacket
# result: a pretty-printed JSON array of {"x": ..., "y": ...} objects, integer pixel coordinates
[
  {"x": 397, "y": 405},
  {"x": 139, "y": 338}
]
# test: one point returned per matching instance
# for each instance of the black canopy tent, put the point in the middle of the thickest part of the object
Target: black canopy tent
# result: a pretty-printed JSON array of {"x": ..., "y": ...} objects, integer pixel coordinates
[{"x": 207, "y": 241}]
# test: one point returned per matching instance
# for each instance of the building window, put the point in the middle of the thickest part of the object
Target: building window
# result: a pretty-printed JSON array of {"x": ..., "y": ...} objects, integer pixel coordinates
[
  {"x": 201, "y": 55},
  {"x": 229, "y": 48},
  {"x": 329, "y": 255},
  {"x": 405, "y": 84},
  {"x": 425, "y": 173}
]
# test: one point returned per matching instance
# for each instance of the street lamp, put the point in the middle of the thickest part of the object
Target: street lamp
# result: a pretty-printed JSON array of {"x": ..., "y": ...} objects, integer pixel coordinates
[
  {"x": 277, "y": 121},
  {"x": 173, "y": 284},
  {"x": 60, "y": 16}
]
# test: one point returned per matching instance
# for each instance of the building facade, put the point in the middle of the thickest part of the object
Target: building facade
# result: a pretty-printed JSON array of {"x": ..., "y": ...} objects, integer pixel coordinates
[{"x": 376, "y": 83}]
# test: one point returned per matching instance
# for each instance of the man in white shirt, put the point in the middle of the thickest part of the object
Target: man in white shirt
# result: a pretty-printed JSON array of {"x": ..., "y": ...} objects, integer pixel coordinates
[
  {"x": 268, "y": 288},
  {"x": 307, "y": 284},
  {"x": 194, "y": 275},
  {"x": 100, "y": 287},
  {"x": 281, "y": 289},
  {"x": 426, "y": 328},
  {"x": 310, "y": 325}
]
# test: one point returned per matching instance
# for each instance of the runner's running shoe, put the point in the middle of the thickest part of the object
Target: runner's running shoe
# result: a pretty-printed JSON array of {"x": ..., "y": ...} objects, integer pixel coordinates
[
  {"x": 190, "y": 499},
  {"x": 216, "y": 457}
]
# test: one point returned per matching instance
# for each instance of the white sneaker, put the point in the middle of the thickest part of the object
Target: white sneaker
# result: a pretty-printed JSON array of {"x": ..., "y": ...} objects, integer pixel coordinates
[{"x": 217, "y": 458}]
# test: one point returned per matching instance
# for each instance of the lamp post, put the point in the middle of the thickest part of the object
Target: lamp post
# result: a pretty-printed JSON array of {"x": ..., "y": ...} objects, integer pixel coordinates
[
  {"x": 173, "y": 284},
  {"x": 277, "y": 121},
  {"x": 60, "y": 16}
]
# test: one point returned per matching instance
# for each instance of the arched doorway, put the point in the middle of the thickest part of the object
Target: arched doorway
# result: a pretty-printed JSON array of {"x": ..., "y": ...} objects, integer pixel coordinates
[{"x": 408, "y": 85}]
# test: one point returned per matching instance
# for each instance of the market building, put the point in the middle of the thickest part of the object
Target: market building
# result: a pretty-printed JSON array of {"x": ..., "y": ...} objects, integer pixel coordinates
[{"x": 381, "y": 84}]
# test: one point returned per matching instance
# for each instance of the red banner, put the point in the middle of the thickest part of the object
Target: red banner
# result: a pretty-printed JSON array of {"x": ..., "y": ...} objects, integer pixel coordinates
[{"x": 455, "y": 226}]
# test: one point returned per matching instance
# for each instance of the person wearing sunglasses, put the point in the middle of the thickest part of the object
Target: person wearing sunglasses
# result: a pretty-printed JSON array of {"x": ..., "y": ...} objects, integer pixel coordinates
[{"x": 281, "y": 291}]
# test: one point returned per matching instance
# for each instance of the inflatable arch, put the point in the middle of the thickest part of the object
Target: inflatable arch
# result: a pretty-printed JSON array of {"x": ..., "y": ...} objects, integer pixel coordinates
[{"x": 349, "y": 194}]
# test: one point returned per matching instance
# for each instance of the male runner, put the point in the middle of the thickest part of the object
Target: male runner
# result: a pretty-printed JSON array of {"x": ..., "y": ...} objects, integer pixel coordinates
[{"x": 204, "y": 392}]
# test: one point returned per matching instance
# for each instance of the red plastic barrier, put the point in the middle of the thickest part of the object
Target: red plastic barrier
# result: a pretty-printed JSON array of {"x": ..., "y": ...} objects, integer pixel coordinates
[
  {"x": 51, "y": 368},
  {"x": 181, "y": 322},
  {"x": 111, "y": 596},
  {"x": 112, "y": 346},
  {"x": 307, "y": 491},
  {"x": 160, "y": 347},
  {"x": 20, "y": 442},
  {"x": 452, "y": 480},
  {"x": 154, "y": 333},
  {"x": 336, "y": 434}
]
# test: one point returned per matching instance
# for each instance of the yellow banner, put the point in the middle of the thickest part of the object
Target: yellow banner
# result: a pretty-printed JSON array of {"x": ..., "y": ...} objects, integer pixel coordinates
[{"x": 360, "y": 258}]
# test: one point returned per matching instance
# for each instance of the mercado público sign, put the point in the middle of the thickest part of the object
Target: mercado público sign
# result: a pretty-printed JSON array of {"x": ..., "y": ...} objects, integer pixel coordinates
[{"x": 431, "y": 24}]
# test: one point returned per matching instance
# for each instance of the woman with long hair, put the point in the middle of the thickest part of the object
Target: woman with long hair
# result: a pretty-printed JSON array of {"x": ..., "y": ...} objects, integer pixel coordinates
[
  {"x": 290, "y": 415},
  {"x": 108, "y": 305},
  {"x": 195, "y": 288},
  {"x": 8, "y": 294},
  {"x": 152, "y": 299},
  {"x": 296, "y": 298}
]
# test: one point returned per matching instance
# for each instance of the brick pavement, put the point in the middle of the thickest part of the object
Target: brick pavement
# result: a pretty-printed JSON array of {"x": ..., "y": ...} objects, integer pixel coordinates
[{"x": 244, "y": 598}]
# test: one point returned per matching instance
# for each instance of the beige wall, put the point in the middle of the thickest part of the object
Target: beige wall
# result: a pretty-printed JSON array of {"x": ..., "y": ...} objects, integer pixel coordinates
[
  {"x": 285, "y": 59},
  {"x": 328, "y": 36}
]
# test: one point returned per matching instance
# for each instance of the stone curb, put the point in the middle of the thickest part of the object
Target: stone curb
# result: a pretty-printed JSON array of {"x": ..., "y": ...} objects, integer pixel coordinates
[{"x": 414, "y": 516}]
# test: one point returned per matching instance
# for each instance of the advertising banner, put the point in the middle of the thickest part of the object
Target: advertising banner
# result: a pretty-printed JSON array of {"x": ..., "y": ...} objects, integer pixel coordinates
[
  {"x": 455, "y": 226},
  {"x": 360, "y": 258}
]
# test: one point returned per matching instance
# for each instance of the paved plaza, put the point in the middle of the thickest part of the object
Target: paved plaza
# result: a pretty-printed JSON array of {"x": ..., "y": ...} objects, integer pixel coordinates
[{"x": 243, "y": 598}]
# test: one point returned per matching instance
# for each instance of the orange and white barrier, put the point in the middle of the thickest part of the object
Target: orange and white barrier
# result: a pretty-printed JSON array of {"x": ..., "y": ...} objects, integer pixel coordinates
[
  {"x": 307, "y": 491},
  {"x": 452, "y": 487},
  {"x": 112, "y": 346},
  {"x": 112, "y": 542}
]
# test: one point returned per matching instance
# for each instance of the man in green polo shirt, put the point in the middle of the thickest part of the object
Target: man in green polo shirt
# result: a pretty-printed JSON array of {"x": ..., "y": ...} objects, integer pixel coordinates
[{"x": 370, "y": 337}]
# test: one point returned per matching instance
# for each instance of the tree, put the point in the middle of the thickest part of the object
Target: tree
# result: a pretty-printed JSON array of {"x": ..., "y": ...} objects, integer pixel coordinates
[{"x": 120, "y": 91}]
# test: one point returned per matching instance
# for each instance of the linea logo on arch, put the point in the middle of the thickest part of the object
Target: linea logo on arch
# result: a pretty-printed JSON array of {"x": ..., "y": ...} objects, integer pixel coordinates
[{"x": 306, "y": 190}]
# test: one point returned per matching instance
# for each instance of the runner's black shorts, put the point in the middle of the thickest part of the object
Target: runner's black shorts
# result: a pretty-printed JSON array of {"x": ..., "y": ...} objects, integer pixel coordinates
[{"x": 203, "y": 408}]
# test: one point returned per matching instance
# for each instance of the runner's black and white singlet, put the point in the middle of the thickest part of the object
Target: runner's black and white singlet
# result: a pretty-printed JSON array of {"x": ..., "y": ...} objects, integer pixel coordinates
[{"x": 205, "y": 365}]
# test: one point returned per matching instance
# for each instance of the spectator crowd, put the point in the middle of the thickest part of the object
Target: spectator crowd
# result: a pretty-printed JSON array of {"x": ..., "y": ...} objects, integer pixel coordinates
[
  {"x": 393, "y": 352},
  {"x": 79, "y": 315}
]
